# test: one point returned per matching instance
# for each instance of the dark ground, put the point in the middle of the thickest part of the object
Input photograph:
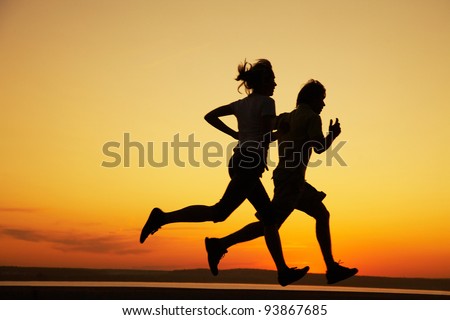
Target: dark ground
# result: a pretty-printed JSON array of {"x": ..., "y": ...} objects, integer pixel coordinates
[
  {"x": 132, "y": 293},
  {"x": 46, "y": 291}
]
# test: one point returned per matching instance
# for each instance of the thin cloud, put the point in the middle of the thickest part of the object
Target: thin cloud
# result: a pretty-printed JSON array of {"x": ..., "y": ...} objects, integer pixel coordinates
[
  {"x": 20, "y": 234},
  {"x": 18, "y": 209},
  {"x": 74, "y": 241}
]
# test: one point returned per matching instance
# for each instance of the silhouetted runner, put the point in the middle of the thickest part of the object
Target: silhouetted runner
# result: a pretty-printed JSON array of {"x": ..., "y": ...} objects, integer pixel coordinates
[
  {"x": 299, "y": 133},
  {"x": 255, "y": 115}
]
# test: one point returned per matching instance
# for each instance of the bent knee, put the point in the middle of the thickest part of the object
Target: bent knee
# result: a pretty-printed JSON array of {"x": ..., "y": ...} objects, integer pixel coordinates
[
  {"x": 220, "y": 213},
  {"x": 321, "y": 213}
]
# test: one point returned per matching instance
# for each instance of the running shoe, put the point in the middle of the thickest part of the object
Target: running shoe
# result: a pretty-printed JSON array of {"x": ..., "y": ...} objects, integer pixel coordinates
[
  {"x": 338, "y": 273},
  {"x": 215, "y": 253},
  {"x": 154, "y": 222},
  {"x": 291, "y": 275}
]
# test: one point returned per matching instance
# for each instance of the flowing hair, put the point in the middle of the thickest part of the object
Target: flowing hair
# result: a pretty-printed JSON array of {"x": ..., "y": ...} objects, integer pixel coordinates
[{"x": 253, "y": 76}]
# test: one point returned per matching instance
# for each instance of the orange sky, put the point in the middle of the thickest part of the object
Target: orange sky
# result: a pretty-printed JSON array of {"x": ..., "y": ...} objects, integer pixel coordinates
[{"x": 76, "y": 75}]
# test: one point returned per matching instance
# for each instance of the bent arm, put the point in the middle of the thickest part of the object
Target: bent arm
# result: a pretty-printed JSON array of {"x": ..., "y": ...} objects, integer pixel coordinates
[
  {"x": 323, "y": 144},
  {"x": 213, "y": 118}
]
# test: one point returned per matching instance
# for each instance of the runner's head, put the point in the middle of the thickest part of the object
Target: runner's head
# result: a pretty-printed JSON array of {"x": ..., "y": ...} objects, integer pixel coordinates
[
  {"x": 257, "y": 78},
  {"x": 313, "y": 94}
]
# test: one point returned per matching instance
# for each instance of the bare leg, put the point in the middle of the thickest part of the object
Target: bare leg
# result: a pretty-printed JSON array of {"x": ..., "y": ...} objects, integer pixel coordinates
[
  {"x": 323, "y": 234},
  {"x": 157, "y": 218},
  {"x": 249, "y": 232},
  {"x": 265, "y": 209},
  {"x": 195, "y": 213},
  {"x": 335, "y": 272},
  {"x": 286, "y": 275},
  {"x": 255, "y": 230},
  {"x": 216, "y": 248},
  {"x": 261, "y": 202},
  {"x": 236, "y": 193},
  {"x": 273, "y": 243}
]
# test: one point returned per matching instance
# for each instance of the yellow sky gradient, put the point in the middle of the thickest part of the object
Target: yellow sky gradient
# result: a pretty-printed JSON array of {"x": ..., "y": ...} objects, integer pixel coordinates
[{"x": 75, "y": 75}]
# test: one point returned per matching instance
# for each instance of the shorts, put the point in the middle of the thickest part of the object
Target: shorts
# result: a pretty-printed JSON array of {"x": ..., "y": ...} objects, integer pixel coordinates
[
  {"x": 293, "y": 192},
  {"x": 251, "y": 161}
]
